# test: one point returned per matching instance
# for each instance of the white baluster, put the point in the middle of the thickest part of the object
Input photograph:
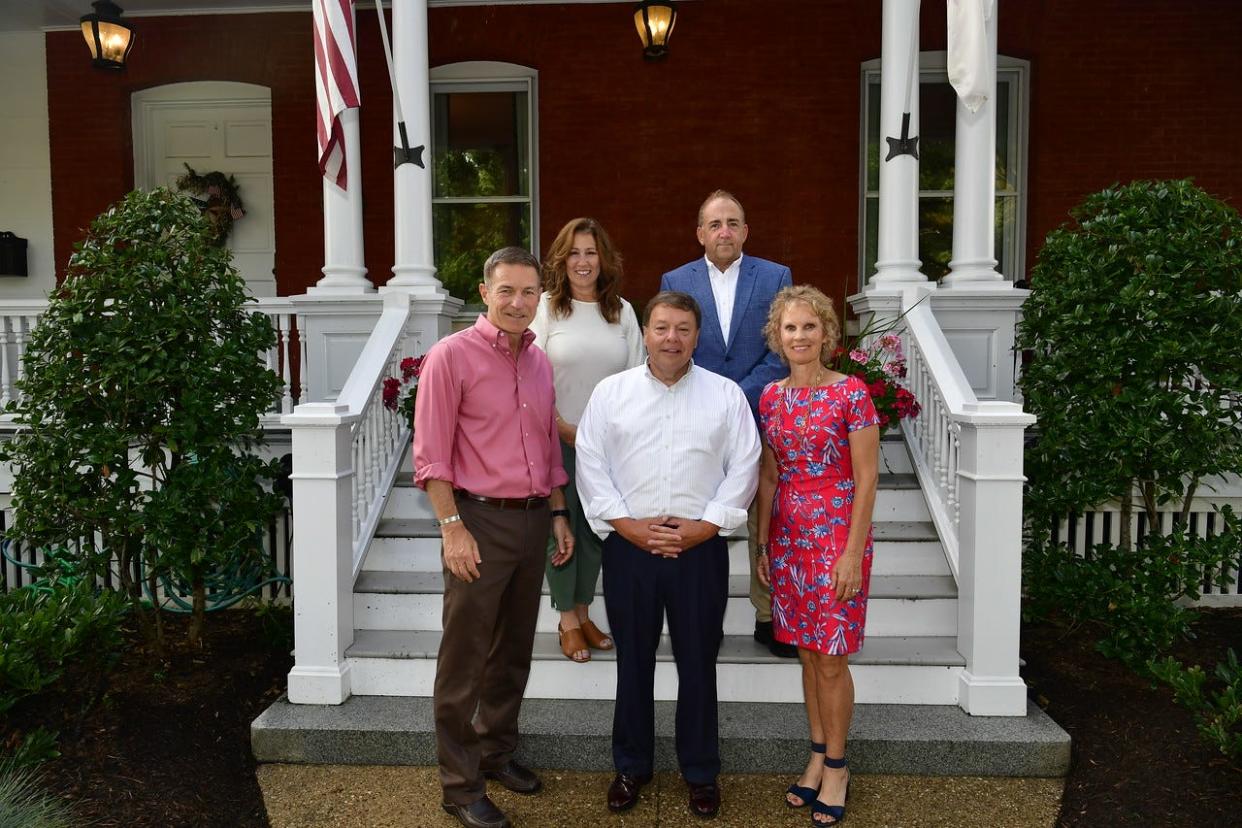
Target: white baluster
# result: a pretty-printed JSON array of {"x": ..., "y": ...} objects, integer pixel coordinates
[
  {"x": 284, "y": 324},
  {"x": 358, "y": 486},
  {"x": 19, "y": 339},
  {"x": 6, "y": 379},
  {"x": 303, "y": 362}
]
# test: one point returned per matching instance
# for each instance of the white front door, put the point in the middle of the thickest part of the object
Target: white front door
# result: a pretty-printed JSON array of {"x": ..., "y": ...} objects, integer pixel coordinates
[{"x": 215, "y": 126}]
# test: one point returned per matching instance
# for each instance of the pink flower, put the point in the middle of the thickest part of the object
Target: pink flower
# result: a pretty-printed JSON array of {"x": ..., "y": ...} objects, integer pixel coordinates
[
  {"x": 891, "y": 342},
  {"x": 859, "y": 356}
]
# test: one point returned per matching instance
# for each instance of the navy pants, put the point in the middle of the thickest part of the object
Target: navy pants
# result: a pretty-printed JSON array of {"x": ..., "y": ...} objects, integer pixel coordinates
[{"x": 639, "y": 588}]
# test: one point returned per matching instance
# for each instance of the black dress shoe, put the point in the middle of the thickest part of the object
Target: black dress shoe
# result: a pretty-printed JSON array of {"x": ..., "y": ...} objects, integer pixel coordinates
[
  {"x": 515, "y": 777},
  {"x": 623, "y": 792},
  {"x": 704, "y": 799},
  {"x": 763, "y": 633},
  {"x": 478, "y": 814}
]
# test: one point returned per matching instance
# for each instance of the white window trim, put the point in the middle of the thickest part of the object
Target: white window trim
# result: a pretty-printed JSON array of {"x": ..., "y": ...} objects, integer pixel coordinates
[
  {"x": 495, "y": 76},
  {"x": 932, "y": 68}
]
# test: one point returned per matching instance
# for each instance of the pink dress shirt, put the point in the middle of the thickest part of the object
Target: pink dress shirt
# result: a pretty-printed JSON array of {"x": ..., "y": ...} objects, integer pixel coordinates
[{"x": 484, "y": 421}]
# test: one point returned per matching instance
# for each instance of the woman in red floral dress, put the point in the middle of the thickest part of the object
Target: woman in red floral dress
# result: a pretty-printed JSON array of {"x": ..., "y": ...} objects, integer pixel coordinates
[{"x": 816, "y": 494}]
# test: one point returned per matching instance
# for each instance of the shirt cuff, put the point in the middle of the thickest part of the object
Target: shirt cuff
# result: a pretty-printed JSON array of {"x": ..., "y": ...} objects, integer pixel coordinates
[
  {"x": 433, "y": 471},
  {"x": 603, "y": 509},
  {"x": 726, "y": 517},
  {"x": 559, "y": 477}
]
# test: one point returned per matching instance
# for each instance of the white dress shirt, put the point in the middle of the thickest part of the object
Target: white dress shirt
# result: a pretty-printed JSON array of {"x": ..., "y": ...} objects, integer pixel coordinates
[
  {"x": 724, "y": 291},
  {"x": 689, "y": 450}
]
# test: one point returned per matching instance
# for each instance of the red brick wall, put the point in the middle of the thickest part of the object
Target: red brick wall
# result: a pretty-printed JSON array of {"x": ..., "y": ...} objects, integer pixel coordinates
[{"x": 759, "y": 98}]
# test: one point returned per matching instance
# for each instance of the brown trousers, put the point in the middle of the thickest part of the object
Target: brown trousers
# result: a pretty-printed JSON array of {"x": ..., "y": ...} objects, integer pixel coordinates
[{"x": 484, "y": 659}]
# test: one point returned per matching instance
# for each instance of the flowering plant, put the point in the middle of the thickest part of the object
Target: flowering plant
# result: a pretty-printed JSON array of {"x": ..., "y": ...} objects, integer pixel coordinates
[
  {"x": 880, "y": 365},
  {"x": 399, "y": 393}
]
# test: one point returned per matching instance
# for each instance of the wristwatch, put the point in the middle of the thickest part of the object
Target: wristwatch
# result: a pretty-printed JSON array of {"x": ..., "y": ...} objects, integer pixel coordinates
[
  {"x": 761, "y": 549},
  {"x": 561, "y": 513}
]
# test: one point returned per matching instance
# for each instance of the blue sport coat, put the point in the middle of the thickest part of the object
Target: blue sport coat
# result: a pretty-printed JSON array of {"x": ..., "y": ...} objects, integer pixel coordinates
[{"x": 745, "y": 358}]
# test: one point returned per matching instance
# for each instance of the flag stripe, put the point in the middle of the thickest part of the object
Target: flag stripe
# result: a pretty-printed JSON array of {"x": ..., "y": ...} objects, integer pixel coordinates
[{"x": 336, "y": 83}]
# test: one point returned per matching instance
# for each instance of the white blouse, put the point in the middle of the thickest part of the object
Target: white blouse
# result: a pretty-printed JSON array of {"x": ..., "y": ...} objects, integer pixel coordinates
[{"x": 583, "y": 349}]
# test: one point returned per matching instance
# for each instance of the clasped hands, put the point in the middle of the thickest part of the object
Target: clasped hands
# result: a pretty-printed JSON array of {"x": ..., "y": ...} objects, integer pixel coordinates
[
  {"x": 664, "y": 535},
  {"x": 461, "y": 551}
]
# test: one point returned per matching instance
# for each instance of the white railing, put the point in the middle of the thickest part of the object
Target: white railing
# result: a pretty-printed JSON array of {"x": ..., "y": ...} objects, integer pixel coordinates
[
  {"x": 967, "y": 454},
  {"x": 346, "y": 455},
  {"x": 18, "y": 318}
]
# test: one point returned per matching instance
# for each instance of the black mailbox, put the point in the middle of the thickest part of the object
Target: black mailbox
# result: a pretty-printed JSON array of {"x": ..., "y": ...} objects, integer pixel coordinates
[{"x": 12, "y": 254}]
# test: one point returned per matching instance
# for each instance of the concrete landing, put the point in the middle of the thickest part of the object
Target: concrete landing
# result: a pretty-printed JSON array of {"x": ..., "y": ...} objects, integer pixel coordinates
[{"x": 755, "y": 738}]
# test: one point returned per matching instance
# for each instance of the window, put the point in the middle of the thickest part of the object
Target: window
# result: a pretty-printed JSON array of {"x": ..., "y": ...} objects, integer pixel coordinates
[
  {"x": 937, "y": 122},
  {"x": 484, "y": 178}
]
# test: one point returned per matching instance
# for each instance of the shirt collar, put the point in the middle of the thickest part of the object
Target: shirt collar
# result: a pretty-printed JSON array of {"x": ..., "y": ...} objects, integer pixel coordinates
[
  {"x": 735, "y": 267},
  {"x": 494, "y": 335},
  {"x": 654, "y": 378}
]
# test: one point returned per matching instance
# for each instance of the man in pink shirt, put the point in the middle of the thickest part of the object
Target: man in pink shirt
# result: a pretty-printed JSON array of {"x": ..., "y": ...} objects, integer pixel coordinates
[{"x": 486, "y": 450}]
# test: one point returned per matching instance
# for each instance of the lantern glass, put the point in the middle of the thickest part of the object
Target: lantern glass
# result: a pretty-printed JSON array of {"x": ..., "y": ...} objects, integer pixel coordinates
[
  {"x": 655, "y": 22},
  {"x": 108, "y": 38}
]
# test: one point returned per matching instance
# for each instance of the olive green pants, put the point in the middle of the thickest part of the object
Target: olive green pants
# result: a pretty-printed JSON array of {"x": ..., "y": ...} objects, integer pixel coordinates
[{"x": 574, "y": 582}]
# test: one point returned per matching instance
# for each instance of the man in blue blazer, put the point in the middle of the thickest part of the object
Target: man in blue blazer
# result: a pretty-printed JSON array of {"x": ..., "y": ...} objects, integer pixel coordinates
[{"x": 735, "y": 292}]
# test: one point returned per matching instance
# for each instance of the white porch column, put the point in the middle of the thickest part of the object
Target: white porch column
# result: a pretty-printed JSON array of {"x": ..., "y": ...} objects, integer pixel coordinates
[
  {"x": 897, "y": 258},
  {"x": 323, "y": 620},
  {"x": 990, "y": 558},
  {"x": 414, "y": 269},
  {"x": 974, "y": 188},
  {"x": 343, "y": 268}
]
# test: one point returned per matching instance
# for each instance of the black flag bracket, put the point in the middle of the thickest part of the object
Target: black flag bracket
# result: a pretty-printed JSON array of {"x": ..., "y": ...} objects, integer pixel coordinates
[
  {"x": 405, "y": 154},
  {"x": 905, "y": 145}
]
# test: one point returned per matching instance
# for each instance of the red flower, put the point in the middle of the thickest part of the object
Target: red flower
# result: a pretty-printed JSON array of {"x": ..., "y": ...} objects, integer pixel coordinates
[
  {"x": 411, "y": 368},
  {"x": 878, "y": 388},
  {"x": 392, "y": 391}
]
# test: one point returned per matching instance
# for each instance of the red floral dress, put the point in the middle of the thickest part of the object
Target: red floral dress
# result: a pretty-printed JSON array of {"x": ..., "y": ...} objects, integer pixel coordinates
[{"x": 808, "y": 430}]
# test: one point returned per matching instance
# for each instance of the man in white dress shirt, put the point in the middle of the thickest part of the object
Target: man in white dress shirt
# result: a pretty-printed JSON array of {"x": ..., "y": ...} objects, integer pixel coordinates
[{"x": 668, "y": 458}]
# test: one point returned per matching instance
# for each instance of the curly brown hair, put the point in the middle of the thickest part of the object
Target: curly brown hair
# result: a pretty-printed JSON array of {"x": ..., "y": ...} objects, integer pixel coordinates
[
  {"x": 607, "y": 284},
  {"x": 819, "y": 304}
]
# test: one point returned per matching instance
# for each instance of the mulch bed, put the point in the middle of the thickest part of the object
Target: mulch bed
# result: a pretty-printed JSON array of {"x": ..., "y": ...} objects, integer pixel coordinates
[
  {"x": 1137, "y": 758},
  {"x": 170, "y": 745}
]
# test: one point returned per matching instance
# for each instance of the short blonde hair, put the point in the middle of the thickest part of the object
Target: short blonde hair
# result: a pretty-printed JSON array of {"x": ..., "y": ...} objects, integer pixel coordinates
[{"x": 819, "y": 304}]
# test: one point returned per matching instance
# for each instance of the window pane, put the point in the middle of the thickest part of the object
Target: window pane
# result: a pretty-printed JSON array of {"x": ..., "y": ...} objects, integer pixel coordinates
[
  {"x": 935, "y": 235},
  {"x": 872, "y": 241},
  {"x": 466, "y": 234},
  {"x": 873, "y": 136},
  {"x": 1005, "y": 180},
  {"x": 937, "y": 128},
  {"x": 480, "y": 144},
  {"x": 1006, "y": 238}
]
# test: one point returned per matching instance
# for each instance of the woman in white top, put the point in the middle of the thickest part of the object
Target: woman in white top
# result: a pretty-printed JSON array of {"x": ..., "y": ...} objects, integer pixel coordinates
[{"x": 588, "y": 332}]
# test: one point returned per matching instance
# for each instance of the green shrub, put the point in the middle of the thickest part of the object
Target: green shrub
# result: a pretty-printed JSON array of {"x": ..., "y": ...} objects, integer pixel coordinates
[
  {"x": 24, "y": 804},
  {"x": 1131, "y": 594},
  {"x": 1218, "y": 713},
  {"x": 140, "y": 402},
  {"x": 47, "y": 631}
]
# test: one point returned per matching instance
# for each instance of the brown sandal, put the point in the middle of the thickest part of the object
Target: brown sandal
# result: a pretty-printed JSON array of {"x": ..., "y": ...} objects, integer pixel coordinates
[
  {"x": 572, "y": 641},
  {"x": 595, "y": 637}
]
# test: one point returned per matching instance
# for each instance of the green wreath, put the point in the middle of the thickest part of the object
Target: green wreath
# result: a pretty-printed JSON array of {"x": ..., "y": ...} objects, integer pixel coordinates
[{"x": 216, "y": 195}]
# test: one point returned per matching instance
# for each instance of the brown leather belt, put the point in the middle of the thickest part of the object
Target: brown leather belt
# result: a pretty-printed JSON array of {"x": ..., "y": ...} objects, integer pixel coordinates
[{"x": 525, "y": 503}]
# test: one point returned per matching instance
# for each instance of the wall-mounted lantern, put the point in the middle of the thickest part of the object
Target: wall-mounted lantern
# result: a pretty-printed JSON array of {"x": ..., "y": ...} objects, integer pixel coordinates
[
  {"x": 654, "y": 20},
  {"x": 107, "y": 36}
]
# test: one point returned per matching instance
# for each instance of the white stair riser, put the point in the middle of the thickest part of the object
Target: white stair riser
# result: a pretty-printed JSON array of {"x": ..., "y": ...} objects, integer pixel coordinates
[
  {"x": 873, "y": 683},
  {"x": 885, "y": 616},
  {"x": 408, "y": 502},
  {"x": 891, "y": 557}
]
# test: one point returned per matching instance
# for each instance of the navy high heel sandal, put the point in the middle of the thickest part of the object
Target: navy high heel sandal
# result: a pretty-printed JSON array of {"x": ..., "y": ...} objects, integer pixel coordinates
[
  {"x": 807, "y": 795},
  {"x": 836, "y": 812}
]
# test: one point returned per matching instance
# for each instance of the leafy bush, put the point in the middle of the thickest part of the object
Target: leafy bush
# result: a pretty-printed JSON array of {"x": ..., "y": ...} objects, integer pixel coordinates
[
  {"x": 47, "y": 631},
  {"x": 1133, "y": 325},
  {"x": 1132, "y": 595},
  {"x": 140, "y": 402},
  {"x": 32, "y": 748},
  {"x": 1218, "y": 713},
  {"x": 23, "y": 804}
]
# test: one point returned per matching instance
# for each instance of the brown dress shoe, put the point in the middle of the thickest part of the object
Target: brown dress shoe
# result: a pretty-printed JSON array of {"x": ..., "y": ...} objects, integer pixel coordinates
[
  {"x": 704, "y": 799},
  {"x": 515, "y": 777},
  {"x": 623, "y": 792},
  {"x": 478, "y": 814}
]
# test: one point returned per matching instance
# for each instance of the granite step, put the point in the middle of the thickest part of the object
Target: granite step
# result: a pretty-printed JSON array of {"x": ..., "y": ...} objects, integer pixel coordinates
[{"x": 754, "y": 738}]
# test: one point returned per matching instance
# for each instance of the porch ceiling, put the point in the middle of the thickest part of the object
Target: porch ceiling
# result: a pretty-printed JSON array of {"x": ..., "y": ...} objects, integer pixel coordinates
[{"x": 36, "y": 15}]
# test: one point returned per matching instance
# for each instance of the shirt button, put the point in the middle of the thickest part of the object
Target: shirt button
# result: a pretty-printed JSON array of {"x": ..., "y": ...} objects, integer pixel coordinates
[{"x": 523, "y": 405}]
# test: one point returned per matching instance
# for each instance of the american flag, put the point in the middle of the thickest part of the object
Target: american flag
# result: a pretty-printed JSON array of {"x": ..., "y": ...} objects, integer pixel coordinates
[{"x": 336, "y": 83}]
